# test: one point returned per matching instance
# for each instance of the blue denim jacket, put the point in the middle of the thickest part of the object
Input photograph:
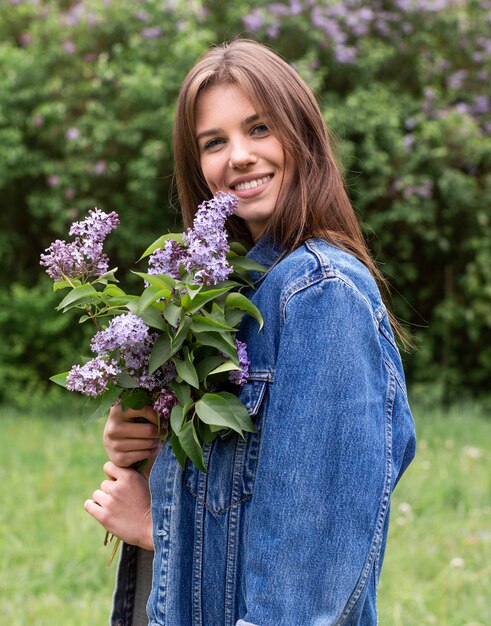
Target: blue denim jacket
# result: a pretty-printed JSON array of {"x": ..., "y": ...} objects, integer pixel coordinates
[{"x": 289, "y": 525}]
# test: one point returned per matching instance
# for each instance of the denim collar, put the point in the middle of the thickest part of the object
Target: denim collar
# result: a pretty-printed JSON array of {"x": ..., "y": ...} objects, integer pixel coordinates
[{"x": 266, "y": 252}]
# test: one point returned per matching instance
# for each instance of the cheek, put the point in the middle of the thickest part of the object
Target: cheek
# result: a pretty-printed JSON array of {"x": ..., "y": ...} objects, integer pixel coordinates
[{"x": 211, "y": 175}]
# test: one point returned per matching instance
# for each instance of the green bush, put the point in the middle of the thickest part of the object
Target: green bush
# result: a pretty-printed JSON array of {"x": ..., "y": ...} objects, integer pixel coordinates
[{"x": 87, "y": 92}]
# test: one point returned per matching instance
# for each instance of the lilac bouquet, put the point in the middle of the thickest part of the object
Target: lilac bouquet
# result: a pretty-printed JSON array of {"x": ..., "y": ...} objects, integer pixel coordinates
[{"x": 173, "y": 346}]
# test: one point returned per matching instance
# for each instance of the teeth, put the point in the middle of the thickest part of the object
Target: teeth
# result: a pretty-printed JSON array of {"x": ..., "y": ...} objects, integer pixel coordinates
[{"x": 252, "y": 184}]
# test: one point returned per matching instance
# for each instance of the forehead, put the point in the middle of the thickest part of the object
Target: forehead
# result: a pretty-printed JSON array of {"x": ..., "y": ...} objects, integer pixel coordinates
[{"x": 220, "y": 103}]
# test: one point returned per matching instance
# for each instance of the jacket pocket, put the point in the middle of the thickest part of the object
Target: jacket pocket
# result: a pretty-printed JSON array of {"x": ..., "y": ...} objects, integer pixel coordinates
[{"x": 231, "y": 461}]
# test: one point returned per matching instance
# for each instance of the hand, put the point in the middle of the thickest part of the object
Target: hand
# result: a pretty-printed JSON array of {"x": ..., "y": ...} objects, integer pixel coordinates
[
  {"x": 127, "y": 441},
  {"x": 122, "y": 506}
]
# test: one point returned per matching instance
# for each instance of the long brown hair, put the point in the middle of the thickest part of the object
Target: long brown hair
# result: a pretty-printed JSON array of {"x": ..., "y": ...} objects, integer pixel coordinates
[{"x": 315, "y": 202}]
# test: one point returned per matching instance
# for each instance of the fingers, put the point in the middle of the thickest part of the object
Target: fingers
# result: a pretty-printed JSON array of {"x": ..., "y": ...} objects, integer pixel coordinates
[
  {"x": 121, "y": 429},
  {"x": 118, "y": 413},
  {"x": 114, "y": 472},
  {"x": 100, "y": 497}
]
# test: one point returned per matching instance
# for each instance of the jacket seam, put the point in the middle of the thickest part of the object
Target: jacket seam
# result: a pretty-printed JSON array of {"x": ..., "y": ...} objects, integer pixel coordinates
[
  {"x": 384, "y": 504},
  {"x": 297, "y": 288}
]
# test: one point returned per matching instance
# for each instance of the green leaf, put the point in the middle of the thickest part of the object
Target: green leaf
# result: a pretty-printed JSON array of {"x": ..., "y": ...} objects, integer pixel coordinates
[
  {"x": 181, "y": 335},
  {"x": 244, "y": 263},
  {"x": 228, "y": 366},
  {"x": 135, "y": 399},
  {"x": 84, "y": 292},
  {"x": 187, "y": 371},
  {"x": 113, "y": 291},
  {"x": 157, "y": 280},
  {"x": 193, "y": 289},
  {"x": 127, "y": 382},
  {"x": 205, "y": 433},
  {"x": 60, "y": 379},
  {"x": 234, "y": 316},
  {"x": 239, "y": 301},
  {"x": 151, "y": 316},
  {"x": 109, "y": 276},
  {"x": 240, "y": 412},
  {"x": 176, "y": 418},
  {"x": 193, "y": 305},
  {"x": 159, "y": 243},
  {"x": 182, "y": 391},
  {"x": 95, "y": 408},
  {"x": 178, "y": 451},
  {"x": 204, "y": 323},
  {"x": 161, "y": 353},
  {"x": 208, "y": 364},
  {"x": 238, "y": 248},
  {"x": 216, "y": 411},
  {"x": 191, "y": 446},
  {"x": 61, "y": 284},
  {"x": 172, "y": 313},
  {"x": 219, "y": 342},
  {"x": 151, "y": 295}
]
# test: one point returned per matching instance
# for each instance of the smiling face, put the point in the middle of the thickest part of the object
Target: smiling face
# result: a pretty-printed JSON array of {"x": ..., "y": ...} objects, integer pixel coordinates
[{"x": 238, "y": 153}]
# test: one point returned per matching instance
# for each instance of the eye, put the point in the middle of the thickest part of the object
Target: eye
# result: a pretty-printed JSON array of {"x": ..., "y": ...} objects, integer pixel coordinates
[
  {"x": 212, "y": 143},
  {"x": 260, "y": 129}
]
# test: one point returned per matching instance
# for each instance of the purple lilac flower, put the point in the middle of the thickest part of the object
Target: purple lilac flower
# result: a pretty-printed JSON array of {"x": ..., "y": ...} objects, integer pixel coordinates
[
  {"x": 152, "y": 32},
  {"x": 159, "y": 379},
  {"x": 84, "y": 256},
  {"x": 128, "y": 334},
  {"x": 239, "y": 377},
  {"x": 100, "y": 167},
  {"x": 254, "y": 21},
  {"x": 164, "y": 403},
  {"x": 93, "y": 378},
  {"x": 62, "y": 258},
  {"x": 69, "y": 47},
  {"x": 26, "y": 39},
  {"x": 53, "y": 181},
  {"x": 96, "y": 226},
  {"x": 72, "y": 134},
  {"x": 167, "y": 260},
  {"x": 207, "y": 240}
]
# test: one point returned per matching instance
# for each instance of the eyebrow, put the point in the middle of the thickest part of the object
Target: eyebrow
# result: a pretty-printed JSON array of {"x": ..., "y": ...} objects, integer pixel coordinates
[{"x": 217, "y": 131}]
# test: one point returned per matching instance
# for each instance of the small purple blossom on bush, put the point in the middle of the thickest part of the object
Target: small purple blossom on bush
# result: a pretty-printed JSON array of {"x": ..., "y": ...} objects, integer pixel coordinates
[
  {"x": 72, "y": 134},
  {"x": 152, "y": 32},
  {"x": 93, "y": 378},
  {"x": 207, "y": 243},
  {"x": 239, "y": 377}
]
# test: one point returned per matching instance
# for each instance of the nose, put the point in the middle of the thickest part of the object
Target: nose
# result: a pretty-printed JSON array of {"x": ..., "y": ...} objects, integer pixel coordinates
[{"x": 241, "y": 154}]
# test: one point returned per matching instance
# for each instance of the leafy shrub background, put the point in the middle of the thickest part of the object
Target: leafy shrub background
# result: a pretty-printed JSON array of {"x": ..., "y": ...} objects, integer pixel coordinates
[{"x": 87, "y": 92}]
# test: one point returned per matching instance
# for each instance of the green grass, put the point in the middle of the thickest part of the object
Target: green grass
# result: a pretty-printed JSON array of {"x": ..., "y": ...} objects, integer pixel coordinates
[
  {"x": 437, "y": 569},
  {"x": 438, "y": 565},
  {"x": 52, "y": 569}
]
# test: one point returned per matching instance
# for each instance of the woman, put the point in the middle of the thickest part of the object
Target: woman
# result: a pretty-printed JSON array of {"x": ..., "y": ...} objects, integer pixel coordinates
[{"x": 289, "y": 526}]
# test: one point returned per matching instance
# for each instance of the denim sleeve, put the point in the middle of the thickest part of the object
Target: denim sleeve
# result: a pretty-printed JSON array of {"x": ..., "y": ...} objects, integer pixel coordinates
[{"x": 322, "y": 484}]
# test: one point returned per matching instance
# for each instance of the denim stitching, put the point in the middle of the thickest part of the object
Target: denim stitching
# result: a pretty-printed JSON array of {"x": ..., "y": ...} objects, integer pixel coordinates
[
  {"x": 197, "y": 609},
  {"x": 232, "y": 536},
  {"x": 384, "y": 505}
]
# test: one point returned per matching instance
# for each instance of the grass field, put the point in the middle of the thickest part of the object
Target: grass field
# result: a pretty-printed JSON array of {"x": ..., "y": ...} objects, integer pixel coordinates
[{"x": 52, "y": 567}]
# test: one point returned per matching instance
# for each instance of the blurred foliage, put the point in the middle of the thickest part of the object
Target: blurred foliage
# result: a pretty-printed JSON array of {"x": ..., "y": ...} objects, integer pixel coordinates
[{"x": 87, "y": 91}]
